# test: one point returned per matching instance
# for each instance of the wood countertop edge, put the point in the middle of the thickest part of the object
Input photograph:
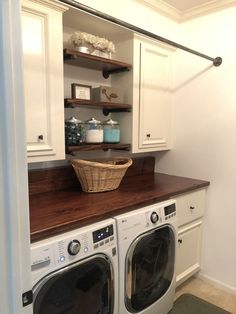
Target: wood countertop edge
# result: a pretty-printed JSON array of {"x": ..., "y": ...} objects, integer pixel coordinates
[{"x": 147, "y": 199}]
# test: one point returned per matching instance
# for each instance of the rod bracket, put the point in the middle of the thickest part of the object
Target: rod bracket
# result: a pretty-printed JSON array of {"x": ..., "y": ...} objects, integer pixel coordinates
[{"x": 217, "y": 61}]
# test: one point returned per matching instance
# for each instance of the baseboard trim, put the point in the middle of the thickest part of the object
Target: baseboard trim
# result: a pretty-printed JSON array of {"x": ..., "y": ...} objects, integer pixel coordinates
[{"x": 216, "y": 282}]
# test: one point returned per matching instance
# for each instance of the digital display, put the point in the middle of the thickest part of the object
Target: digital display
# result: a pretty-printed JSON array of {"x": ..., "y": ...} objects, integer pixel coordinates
[
  {"x": 169, "y": 209},
  {"x": 103, "y": 233}
]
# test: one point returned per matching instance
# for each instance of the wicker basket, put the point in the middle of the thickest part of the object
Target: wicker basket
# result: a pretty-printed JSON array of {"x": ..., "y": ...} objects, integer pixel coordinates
[{"x": 100, "y": 176}]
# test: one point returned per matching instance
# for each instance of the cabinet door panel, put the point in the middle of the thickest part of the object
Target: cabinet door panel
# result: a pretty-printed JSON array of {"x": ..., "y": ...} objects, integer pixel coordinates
[
  {"x": 154, "y": 111},
  {"x": 43, "y": 80},
  {"x": 36, "y": 83},
  {"x": 188, "y": 251}
]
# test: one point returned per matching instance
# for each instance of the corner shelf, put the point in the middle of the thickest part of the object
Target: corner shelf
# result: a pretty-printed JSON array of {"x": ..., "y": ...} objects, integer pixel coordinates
[
  {"x": 106, "y": 106},
  {"x": 102, "y": 146},
  {"x": 107, "y": 66}
]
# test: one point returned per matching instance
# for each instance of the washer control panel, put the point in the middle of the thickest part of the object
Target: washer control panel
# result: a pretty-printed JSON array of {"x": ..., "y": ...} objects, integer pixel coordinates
[
  {"x": 72, "y": 246},
  {"x": 102, "y": 233}
]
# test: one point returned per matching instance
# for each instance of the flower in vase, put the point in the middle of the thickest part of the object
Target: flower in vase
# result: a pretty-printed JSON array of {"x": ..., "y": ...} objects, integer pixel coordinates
[{"x": 82, "y": 38}]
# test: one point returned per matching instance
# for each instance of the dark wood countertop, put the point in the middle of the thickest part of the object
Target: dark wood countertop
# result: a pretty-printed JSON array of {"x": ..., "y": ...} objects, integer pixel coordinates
[{"x": 58, "y": 211}]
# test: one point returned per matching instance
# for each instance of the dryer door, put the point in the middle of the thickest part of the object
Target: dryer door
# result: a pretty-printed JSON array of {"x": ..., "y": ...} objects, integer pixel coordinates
[
  {"x": 150, "y": 265},
  {"x": 81, "y": 288}
]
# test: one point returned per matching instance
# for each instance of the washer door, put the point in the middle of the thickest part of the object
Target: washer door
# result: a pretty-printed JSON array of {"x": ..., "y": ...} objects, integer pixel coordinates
[
  {"x": 150, "y": 265},
  {"x": 85, "y": 287}
]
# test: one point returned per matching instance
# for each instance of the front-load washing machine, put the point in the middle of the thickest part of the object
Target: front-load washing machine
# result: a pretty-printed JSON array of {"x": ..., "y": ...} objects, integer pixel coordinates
[
  {"x": 147, "y": 240},
  {"x": 76, "y": 272}
]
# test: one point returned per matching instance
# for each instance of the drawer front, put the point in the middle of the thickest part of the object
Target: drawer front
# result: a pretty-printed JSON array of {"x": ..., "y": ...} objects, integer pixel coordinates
[{"x": 190, "y": 206}]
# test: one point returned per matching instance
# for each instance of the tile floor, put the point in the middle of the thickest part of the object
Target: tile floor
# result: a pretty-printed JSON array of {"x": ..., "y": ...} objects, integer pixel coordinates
[{"x": 209, "y": 292}]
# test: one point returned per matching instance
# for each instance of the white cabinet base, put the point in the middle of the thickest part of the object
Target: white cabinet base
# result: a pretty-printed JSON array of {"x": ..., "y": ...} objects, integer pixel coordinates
[
  {"x": 190, "y": 211},
  {"x": 188, "y": 251}
]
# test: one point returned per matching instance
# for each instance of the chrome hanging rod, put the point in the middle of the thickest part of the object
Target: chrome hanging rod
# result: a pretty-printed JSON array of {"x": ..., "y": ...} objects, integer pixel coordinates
[{"x": 216, "y": 61}]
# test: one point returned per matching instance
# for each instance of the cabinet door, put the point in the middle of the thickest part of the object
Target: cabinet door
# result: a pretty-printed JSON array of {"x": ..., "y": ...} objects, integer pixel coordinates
[
  {"x": 188, "y": 251},
  {"x": 154, "y": 97},
  {"x": 43, "y": 81}
]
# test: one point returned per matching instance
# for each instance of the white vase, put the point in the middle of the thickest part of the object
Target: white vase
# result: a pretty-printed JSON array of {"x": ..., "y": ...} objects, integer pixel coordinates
[
  {"x": 85, "y": 48},
  {"x": 102, "y": 54}
]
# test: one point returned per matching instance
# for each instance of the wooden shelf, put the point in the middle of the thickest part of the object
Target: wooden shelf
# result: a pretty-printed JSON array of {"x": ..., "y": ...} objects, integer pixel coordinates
[
  {"x": 107, "y": 66},
  {"x": 106, "y": 106},
  {"x": 89, "y": 147}
]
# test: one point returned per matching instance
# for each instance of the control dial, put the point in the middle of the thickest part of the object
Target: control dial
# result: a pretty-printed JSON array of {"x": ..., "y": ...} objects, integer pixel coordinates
[
  {"x": 154, "y": 217},
  {"x": 74, "y": 247}
]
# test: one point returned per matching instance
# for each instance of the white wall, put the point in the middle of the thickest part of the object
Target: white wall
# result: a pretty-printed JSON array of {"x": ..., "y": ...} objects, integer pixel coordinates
[
  {"x": 135, "y": 13},
  {"x": 204, "y": 129}
]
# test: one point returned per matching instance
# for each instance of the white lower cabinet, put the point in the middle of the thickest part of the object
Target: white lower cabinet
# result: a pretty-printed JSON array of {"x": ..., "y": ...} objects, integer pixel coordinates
[
  {"x": 43, "y": 79},
  {"x": 188, "y": 251},
  {"x": 190, "y": 210}
]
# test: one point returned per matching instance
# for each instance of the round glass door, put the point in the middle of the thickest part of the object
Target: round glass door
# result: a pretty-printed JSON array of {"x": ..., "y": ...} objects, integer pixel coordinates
[
  {"x": 82, "y": 288},
  {"x": 150, "y": 264}
]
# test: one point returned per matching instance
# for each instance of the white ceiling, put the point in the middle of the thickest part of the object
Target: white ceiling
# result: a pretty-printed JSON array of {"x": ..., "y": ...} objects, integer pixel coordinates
[{"x": 183, "y": 5}]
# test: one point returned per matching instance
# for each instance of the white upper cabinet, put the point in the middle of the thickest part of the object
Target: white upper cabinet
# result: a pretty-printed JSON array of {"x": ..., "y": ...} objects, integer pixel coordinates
[
  {"x": 154, "y": 98},
  {"x": 149, "y": 88},
  {"x": 43, "y": 79}
]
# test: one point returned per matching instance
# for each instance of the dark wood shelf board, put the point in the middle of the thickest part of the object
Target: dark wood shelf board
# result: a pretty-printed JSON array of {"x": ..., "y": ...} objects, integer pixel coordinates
[
  {"x": 89, "y": 147},
  {"x": 105, "y": 65},
  {"x": 71, "y": 103}
]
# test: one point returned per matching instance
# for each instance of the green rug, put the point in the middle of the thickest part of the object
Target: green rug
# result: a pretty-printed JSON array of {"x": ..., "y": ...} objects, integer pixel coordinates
[{"x": 190, "y": 304}]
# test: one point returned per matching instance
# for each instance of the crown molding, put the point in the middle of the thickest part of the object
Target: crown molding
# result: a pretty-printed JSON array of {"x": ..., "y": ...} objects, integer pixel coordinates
[
  {"x": 182, "y": 16},
  {"x": 56, "y": 5},
  {"x": 163, "y": 8},
  {"x": 206, "y": 8}
]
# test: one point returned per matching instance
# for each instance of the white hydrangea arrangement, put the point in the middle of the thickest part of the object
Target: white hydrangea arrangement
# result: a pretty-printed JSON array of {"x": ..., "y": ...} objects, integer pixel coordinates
[{"x": 102, "y": 44}]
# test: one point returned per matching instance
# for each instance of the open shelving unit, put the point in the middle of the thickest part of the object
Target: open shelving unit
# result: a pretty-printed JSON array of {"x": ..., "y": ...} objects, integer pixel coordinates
[{"x": 107, "y": 67}]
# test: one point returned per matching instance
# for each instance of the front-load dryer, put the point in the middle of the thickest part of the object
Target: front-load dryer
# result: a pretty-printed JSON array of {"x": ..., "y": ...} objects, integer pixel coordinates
[
  {"x": 147, "y": 240},
  {"x": 76, "y": 272}
]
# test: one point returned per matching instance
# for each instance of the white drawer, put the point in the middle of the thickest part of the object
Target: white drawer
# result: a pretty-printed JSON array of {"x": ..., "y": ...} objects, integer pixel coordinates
[{"x": 190, "y": 206}]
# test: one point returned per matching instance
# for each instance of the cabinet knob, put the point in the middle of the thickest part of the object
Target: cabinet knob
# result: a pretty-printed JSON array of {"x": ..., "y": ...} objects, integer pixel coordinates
[
  {"x": 192, "y": 207},
  {"x": 148, "y": 135},
  {"x": 180, "y": 241},
  {"x": 40, "y": 137}
]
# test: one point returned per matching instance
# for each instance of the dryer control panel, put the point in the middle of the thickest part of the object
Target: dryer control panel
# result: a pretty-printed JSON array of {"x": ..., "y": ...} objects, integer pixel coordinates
[
  {"x": 170, "y": 211},
  {"x": 138, "y": 221}
]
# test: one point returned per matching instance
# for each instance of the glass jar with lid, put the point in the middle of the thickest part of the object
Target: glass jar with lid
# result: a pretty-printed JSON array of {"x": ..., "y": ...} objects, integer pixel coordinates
[
  {"x": 111, "y": 131},
  {"x": 74, "y": 132},
  {"x": 94, "y": 131}
]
